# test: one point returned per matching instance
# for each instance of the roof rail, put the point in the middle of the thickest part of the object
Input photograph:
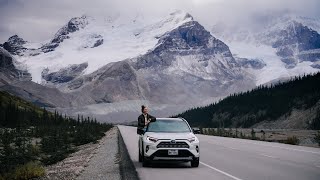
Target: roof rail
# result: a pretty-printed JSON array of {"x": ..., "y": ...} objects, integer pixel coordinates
[{"x": 182, "y": 118}]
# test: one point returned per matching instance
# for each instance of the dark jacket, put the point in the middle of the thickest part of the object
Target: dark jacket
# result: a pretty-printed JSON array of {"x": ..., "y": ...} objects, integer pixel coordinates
[{"x": 141, "y": 120}]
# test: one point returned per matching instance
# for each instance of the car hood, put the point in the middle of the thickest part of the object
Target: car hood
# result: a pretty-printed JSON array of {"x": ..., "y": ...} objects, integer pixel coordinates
[{"x": 170, "y": 135}]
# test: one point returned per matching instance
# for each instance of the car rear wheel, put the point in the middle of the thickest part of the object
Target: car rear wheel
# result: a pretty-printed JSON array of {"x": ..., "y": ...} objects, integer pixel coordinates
[{"x": 195, "y": 162}]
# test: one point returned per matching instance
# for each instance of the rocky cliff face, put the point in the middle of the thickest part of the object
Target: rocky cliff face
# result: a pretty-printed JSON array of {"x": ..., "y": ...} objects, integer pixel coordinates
[
  {"x": 9, "y": 70},
  {"x": 65, "y": 74},
  {"x": 15, "y": 45}
]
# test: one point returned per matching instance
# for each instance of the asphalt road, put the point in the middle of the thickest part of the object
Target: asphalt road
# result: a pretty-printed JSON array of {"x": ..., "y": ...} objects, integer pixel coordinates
[{"x": 233, "y": 159}]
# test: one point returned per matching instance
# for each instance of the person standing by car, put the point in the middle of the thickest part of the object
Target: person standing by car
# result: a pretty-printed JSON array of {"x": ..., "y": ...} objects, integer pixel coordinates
[{"x": 144, "y": 119}]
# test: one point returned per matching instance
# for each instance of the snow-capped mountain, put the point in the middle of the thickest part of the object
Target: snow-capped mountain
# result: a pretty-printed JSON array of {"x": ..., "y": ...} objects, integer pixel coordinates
[
  {"x": 288, "y": 46},
  {"x": 99, "y": 41},
  {"x": 186, "y": 62},
  {"x": 97, "y": 62}
]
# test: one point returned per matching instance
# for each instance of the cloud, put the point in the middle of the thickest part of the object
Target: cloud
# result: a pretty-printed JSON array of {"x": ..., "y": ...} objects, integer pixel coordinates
[{"x": 38, "y": 20}]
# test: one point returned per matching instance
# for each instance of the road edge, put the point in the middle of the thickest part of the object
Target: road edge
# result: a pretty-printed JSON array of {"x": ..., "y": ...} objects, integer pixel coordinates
[{"x": 127, "y": 168}]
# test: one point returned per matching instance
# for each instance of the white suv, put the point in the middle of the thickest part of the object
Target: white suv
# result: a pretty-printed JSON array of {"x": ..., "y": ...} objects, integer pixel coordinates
[{"x": 168, "y": 139}]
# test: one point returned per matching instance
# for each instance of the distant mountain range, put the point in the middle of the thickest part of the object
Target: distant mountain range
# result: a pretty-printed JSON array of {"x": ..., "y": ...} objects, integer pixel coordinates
[{"x": 169, "y": 62}]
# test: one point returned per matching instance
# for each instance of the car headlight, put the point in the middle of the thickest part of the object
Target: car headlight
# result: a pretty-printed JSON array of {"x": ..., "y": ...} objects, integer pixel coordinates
[
  {"x": 152, "y": 139},
  {"x": 192, "y": 139}
]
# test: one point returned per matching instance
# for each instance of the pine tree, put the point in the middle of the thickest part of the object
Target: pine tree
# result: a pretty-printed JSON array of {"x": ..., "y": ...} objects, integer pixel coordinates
[
  {"x": 253, "y": 134},
  {"x": 317, "y": 138}
]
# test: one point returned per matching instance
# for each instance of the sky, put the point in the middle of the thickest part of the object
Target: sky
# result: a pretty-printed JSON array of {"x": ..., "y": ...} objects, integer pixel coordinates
[{"x": 38, "y": 20}]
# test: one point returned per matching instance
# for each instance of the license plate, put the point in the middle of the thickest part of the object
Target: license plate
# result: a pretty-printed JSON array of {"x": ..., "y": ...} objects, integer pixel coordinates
[{"x": 173, "y": 152}]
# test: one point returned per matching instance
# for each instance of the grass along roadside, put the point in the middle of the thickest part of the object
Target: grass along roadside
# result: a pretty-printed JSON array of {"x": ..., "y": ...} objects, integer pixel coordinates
[
  {"x": 310, "y": 138},
  {"x": 24, "y": 154},
  {"x": 32, "y": 137}
]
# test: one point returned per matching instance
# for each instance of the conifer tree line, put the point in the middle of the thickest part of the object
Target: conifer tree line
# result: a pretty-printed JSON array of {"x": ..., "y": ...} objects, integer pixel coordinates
[
  {"x": 264, "y": 103},
  {"x": 31, "y": 134}
]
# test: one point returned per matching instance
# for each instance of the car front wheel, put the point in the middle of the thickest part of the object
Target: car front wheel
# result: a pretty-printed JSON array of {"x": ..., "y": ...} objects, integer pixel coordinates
[
  {"x": 145, "y": 162},
  {"x": 195, "y": 162}
]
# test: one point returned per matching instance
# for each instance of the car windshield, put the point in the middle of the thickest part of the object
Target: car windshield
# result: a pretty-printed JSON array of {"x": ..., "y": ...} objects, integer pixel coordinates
[{"x": 169, "y": 126}]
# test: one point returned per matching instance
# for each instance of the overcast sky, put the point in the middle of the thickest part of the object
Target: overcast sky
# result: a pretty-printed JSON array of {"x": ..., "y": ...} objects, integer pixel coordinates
[{"x": 38, "y": 20}]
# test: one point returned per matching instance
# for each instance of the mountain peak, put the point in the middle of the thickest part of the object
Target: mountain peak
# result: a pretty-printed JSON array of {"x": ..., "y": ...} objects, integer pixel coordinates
[
  {"x": 75, "y": 24},
  {"x": 181, "y": 15},
  {"x": 15, "y": 39},
  {"x": 14, "y": 45}
]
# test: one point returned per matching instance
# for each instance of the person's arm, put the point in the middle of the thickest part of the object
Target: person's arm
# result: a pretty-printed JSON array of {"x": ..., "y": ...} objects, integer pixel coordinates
[
  {"x": 152, "y": 118},
  {"x": 140, "y": 121}
]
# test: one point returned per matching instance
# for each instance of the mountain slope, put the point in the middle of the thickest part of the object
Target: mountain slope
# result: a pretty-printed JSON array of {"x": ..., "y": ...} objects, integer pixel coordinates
[
  {"x": 288, "y": 45},
  {"x": 16, "y": 80},
  {"x": 295, "y": 43},
  {"x": 185, "y": 58},
  {"x": 294, "y": 104}
]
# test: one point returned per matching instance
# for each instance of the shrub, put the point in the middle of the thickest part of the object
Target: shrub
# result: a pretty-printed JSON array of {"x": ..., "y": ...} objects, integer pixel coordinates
[
  {"x": 253, "y": 134},
  {"x": 29, "y": 171},
  {"x": 292, "y": 140}
]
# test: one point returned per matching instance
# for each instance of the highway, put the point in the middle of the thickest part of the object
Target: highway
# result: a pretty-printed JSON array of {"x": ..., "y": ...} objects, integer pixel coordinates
[{"x": 232, "y": 159}]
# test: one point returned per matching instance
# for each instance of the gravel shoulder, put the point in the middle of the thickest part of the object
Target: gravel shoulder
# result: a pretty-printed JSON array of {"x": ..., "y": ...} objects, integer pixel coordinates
[
  {"x": 91, "y": 161},
  {"x": 105, "y": 162}
]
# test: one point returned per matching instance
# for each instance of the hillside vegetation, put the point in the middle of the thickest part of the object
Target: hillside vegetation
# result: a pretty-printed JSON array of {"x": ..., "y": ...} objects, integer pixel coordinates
[
  {"x": 31, "y": 137},
  {"x": 295, "y": 102}
]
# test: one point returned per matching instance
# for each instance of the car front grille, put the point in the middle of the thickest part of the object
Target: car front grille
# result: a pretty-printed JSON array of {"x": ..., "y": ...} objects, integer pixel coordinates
[
  {"x": 164, "y": 153},
  {"x": 172, "y": 145}
]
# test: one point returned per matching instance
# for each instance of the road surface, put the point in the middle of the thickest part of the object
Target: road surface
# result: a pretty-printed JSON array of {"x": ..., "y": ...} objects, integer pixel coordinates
[{"x": 233, "y": 159}]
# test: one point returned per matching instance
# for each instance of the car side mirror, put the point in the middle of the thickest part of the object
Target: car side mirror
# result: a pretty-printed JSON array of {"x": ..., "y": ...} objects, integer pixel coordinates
[
  {"x": 140, "y": 131},
  {"x": 196, "y": 130}
]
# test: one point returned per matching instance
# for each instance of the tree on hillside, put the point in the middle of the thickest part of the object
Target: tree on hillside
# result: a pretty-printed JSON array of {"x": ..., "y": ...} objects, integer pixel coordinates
[
  {"x": 253, "y": 134},
  {"x": 317, "y": 138},
  {"x": 264, "y": 103}
]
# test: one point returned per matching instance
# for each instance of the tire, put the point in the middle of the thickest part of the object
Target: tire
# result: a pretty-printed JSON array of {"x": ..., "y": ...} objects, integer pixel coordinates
[
  {"x": 140, "y": 157},
  {"x": 145, "y": 163},
  {"x": 195, "y": 162}
]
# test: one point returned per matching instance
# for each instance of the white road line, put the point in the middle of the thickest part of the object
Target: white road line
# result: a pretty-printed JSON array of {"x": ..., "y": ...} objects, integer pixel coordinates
[
  {"x": 222, "y": 172},
  {"x": 268, "y": 156}
]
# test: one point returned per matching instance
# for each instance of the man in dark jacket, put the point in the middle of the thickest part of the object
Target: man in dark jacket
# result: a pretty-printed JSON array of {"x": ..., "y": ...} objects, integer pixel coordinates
[{"x": 144, "y": 119}]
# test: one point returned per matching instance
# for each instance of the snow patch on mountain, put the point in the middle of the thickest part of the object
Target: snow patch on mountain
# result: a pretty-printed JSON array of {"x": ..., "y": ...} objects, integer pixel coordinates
[
  {"x": 274, "y": 69},
  {"x": 100, "y": 41},
  {"x": 285, "y": 44}
]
